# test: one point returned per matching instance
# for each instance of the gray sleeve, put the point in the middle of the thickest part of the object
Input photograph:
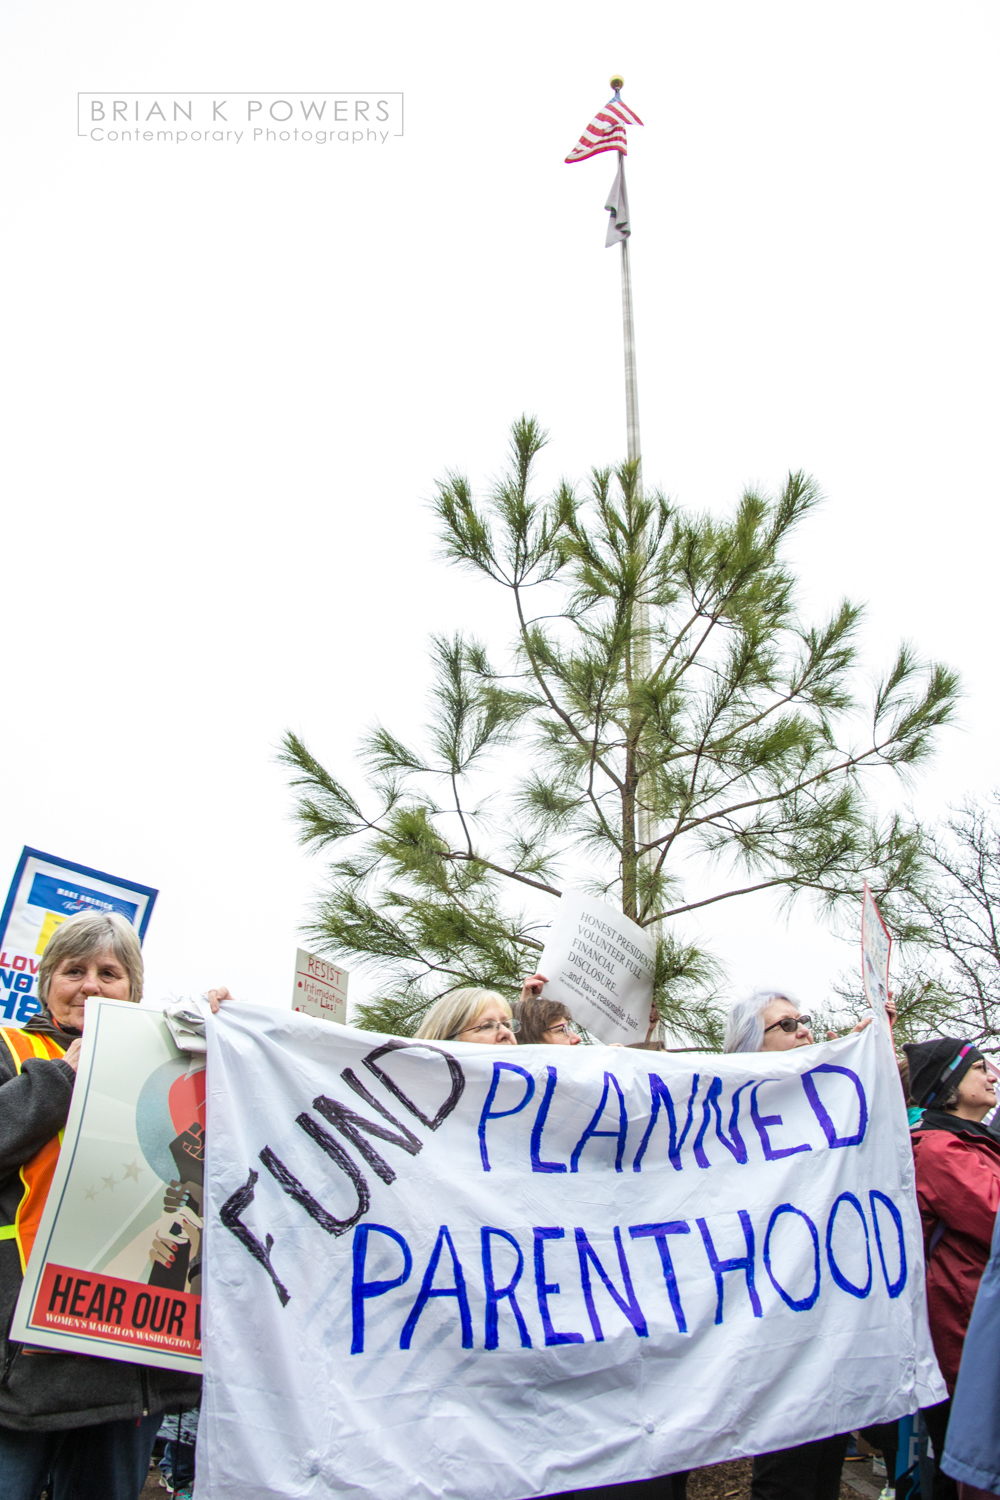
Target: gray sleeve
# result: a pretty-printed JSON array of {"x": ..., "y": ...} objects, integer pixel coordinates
[{"x": 33, "y": 1108}]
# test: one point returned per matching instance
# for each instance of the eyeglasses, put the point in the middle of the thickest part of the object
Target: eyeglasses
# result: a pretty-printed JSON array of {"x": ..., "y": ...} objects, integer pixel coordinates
[
  {"x": 489, "y": 1026},
  {"x": 564, "y": 1028},
  {"x": 790, "y": 1024}
]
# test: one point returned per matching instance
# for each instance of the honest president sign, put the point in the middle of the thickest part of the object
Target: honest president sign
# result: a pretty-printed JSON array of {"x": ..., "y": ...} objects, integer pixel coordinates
[
  {"x": 600, "y": 964},
  {"x": 468, "y": 1271}
]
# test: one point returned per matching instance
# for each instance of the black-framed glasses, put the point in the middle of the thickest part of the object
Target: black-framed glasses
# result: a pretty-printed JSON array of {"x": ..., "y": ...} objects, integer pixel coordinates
[
  {"x": 507, "y": 1024},
  {"x": 562, "y": 1028},
  {"x": 790, "y": 1024}
]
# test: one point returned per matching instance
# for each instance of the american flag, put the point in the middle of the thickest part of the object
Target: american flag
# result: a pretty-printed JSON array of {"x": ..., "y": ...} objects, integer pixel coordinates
[{"x": 606, "y": 132}]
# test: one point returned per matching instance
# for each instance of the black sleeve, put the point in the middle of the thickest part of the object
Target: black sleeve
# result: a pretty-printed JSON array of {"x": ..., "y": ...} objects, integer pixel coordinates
[{"x": 33, "y": 1108}]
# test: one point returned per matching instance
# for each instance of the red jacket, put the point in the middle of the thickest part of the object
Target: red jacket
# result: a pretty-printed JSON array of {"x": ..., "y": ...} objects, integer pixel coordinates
[{"x": 958, "y": 1191}]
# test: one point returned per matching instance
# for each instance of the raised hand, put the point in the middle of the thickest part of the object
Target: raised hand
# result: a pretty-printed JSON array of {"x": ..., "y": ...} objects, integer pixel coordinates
[
  {"x": 531, "y": 988},
  {"x": 179, "y": 1192}
]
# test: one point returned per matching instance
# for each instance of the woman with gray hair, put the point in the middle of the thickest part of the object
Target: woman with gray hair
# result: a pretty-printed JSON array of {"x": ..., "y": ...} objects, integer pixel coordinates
[
  {"x": 469, "y": 1014},
  {"x": 86, "y": 1423},
  {"x": 767, "y": 1021}
]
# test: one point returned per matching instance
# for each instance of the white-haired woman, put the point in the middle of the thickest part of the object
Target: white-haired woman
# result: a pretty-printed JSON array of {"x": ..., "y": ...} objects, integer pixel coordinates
[
  {"x": 470, "y": 1015},
  {"x": 87, "y": 1424},
  {"x": 769, "y": 1021}
]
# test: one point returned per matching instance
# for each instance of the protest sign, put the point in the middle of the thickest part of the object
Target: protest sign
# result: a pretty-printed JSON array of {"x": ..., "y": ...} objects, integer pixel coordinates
[
  {"x": 44, "y": 892},
  {"x": 876, "y": 945},
  {"x": 464, "y": 1271},
  {"x": 320, "y": 988},
  {"x": 127, "y": 1192},
  {"x": 600, "y": 964}
]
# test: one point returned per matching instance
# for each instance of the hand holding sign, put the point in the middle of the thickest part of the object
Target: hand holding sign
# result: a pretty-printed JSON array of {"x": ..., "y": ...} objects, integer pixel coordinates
[{"x": 532, "y": 987}]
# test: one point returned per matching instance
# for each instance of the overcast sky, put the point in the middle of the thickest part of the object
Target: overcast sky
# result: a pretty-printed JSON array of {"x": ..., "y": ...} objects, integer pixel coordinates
[{"x": 232, "y": 373}]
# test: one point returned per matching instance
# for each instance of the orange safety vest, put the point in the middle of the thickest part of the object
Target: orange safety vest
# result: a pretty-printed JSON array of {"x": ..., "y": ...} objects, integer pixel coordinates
[{"x": 36, "y": 1174}]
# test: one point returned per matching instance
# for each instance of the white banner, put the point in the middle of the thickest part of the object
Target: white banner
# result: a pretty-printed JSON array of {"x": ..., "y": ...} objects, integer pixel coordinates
[
  {"x": 600, "y": 964},
  {"x": 473, "y": 1272}
]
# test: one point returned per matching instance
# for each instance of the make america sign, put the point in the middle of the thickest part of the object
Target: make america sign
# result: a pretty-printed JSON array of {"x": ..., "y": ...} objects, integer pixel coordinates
[{"x": 465, "y": 1271}]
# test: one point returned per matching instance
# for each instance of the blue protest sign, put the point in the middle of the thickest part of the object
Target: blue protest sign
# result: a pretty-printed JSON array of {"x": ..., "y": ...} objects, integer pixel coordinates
[{"x": 44, "y": 892}]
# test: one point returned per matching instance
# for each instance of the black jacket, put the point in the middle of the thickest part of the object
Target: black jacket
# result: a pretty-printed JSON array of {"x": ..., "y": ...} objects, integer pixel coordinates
[{"x": 47, "y": 1391}]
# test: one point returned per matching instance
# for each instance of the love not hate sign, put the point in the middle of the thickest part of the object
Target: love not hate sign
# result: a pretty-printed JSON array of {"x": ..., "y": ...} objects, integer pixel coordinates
[{"x": 466, "y": 1271}]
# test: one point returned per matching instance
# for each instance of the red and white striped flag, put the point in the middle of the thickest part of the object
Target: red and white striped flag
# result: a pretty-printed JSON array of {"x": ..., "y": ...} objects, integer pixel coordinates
[{"x": 606, "y": 132}]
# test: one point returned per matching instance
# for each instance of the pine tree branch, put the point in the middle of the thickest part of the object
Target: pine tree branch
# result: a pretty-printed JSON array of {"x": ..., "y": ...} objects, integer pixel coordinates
[
  {"x": 746, "y": 890},
  {"x": 478, "y": 859},
  {"x": 847, "y": 765},
  {"x": 556, "y": 707},
  {"x": 461, "y": 814}
]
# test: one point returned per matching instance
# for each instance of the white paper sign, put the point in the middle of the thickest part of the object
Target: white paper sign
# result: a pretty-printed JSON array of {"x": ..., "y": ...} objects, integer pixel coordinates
[
  {"x": 447, "y": 1271},
  {"x": 876, "y": 945},
  {"x": 600, "y": 965},
  {"x": 320, "y": 988}
]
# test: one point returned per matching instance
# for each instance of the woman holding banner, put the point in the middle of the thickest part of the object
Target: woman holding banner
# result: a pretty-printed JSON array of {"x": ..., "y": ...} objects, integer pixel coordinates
[
  {"x": 766, "y": 1022},
  {"x": 957, "y": 1164},
  {"x": 470, "y": 1015},
  {"x": 769, "y": 1022},
  {"x": 476, "y": 1015},
  {"x": 85, "y": 1424}
]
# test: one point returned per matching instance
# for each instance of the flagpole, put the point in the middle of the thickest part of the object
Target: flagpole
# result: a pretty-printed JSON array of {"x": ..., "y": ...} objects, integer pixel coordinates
[
  {"x": 640, "y": 615},
  {"x": 640, "y": 612},
  {"x": 631, "y": 375},
  {"x": 641, "y": 663},
  {"x": 606, "y": 132}
]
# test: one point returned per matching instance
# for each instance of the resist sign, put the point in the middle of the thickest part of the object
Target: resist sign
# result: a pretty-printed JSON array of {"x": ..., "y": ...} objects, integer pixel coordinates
[{"x": 320, "y": 988}]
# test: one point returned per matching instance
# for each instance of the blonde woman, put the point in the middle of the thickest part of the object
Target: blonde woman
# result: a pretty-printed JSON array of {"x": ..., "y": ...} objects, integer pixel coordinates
[{"x": 470, "y": 1015}]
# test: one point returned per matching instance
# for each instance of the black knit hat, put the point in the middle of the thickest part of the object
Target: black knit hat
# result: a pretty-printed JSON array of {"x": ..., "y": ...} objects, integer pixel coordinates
[{"x": 937, "y": 1067}]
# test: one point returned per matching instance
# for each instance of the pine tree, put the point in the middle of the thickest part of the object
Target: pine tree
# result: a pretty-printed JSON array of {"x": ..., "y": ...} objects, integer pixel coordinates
[{"x": 743, "y": 743}]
